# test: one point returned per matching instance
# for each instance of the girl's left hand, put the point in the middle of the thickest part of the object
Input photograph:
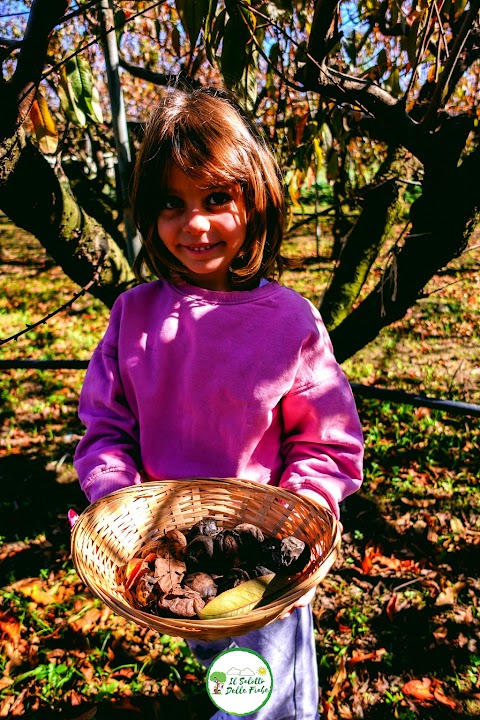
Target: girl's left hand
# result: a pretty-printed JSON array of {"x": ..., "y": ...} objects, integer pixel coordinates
[{"x": 303, "y": 602}]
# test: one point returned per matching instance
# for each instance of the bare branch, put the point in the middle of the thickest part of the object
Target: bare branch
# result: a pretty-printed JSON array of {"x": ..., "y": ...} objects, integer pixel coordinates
[
  {"x": 10, "y": 43},
  {"x": 452, "y": 61},
  {"x": 145, "y": 74}
]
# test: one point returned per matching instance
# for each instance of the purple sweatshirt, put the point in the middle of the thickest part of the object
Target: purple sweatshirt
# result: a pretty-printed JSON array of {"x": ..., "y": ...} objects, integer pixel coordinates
[{"x": 190, "y": 382}]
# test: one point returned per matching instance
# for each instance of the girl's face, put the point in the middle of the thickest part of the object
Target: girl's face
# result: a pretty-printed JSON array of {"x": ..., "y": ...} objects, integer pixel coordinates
[{"x": 203, "y": 227}]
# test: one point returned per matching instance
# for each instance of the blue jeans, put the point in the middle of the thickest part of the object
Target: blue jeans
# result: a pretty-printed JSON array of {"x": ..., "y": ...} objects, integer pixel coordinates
[{"x": 288, "y": 646}]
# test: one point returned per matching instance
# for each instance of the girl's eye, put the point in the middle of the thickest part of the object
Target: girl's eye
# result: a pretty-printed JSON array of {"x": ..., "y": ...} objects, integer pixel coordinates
[
  {"x": 171, "y": 203},
  {"x": 219, "y": 197}
]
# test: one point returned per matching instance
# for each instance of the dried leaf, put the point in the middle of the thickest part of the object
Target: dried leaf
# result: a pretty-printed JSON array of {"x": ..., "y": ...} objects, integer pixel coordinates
[
  {"x": 457, "y": 526},
  {"x": 173, "y": 543},
  {"x": 145, "y": 590},
  {"x": 449, "y": 596},
  {"x": 169, "y": 573},
  {"x": 367, "y": 563},
  {"x": 183, "y": 605},
  {"x": 44, "y": 125},
  {"x": 392, "y": 607},
  {"x": 11, "y": 627},
  {"x": 358, "y": 656},
  {"x": 442, "y": 698},
  {"x": 340, "y": 677},
  {"x": 419, "y": 689},
  {"x": 39, "y": 591}
]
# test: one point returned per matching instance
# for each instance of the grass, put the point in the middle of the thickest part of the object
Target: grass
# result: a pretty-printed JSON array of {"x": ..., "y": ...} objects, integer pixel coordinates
[{"x": 402, "y": 603}]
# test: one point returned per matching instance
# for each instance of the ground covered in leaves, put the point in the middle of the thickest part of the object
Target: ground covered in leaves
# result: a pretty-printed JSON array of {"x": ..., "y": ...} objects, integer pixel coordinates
[{"x": 398, "y": 617}]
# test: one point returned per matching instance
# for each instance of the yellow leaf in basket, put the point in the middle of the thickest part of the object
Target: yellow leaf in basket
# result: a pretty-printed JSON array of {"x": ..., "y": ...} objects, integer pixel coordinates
[{"x": 243, "y": 598}]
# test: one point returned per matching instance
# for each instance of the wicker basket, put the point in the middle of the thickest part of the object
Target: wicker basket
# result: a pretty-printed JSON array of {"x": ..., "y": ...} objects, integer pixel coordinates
[{"x": 113, "y": 529}]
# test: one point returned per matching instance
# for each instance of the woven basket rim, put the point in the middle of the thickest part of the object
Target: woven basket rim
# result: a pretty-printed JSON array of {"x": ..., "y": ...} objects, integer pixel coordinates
[{"x": 194, "y": 627}]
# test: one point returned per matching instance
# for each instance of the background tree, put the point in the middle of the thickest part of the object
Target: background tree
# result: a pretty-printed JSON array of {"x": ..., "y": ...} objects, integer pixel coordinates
[{"x": 372, "y": 104}]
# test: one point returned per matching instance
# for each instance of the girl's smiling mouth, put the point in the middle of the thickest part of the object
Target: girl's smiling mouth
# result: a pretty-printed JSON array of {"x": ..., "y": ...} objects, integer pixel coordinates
[{"x": 200, "y": 249}]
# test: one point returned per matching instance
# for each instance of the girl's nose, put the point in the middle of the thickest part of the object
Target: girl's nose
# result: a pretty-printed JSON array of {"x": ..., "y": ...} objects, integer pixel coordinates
[{"x": 196, "y": 223}]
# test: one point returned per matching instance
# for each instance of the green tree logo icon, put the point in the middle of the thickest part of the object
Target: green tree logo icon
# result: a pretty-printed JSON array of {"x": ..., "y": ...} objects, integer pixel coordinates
[{"x": 219, "y": 678}]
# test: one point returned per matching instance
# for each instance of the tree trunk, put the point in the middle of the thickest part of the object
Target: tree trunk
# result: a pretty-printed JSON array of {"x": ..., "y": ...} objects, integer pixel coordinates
[
  {"x": 442, "y": 220},
  {"x": 361, "y": 247},
  {"x": 39, "y": 199}
]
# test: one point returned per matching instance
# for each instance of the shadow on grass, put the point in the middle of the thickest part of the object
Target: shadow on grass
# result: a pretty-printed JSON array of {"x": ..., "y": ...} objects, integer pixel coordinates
[{"x": 34, "y": 503}]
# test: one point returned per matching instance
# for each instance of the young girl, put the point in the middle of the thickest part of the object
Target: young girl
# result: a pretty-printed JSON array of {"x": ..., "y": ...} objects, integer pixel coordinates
[{"x": 215, "y": 369}]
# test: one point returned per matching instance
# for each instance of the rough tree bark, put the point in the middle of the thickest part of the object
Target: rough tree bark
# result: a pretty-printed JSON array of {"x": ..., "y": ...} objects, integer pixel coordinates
[{"x": 33, "y": 194}]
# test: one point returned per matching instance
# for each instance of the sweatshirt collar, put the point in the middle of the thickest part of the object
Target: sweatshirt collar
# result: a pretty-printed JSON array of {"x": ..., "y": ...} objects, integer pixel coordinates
[{"x": 233, "y": 297}]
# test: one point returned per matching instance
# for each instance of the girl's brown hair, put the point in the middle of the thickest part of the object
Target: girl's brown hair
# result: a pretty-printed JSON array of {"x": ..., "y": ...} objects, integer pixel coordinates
[{"x": 206, "y": 134}]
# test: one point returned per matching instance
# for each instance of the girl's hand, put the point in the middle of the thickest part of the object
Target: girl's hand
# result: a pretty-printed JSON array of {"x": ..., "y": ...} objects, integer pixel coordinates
[{"x": 303, "y": 602}]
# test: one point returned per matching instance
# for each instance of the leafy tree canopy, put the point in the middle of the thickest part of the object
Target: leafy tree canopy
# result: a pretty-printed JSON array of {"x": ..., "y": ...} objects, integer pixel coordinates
[{"x": 371, "y": 106}]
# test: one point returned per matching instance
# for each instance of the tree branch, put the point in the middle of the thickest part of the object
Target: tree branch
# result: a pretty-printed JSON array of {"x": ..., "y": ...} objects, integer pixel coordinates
[
  {"x": 322, "y": 38},
  {"x": 449, "y": 68},
  {"x": 44, "y": 16},
  {"x": 144, "y": 74},
  {"x": 16, "y": 95},
  {"x": 397, "y": 125}
]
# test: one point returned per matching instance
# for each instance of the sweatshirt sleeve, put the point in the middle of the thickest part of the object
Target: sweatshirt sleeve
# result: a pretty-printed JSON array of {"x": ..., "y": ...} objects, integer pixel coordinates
[
  {"x": 107, "y": 457},
  {"x": 322, "y": 445}
]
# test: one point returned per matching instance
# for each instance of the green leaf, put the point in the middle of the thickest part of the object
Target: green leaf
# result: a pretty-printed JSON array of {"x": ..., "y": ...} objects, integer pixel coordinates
[
  {"x": 93, "y": 103},
  {"x": 119, "y": 20},
  {"x": 243, "y": 598},
  {"x": 235, "y": 57},
  {"x": 393, "y": 83},
  {"x": 79, "y": 75},
  {"x": 68, "y": 102},
  {"x": 80, "y": 89},
  {"x": 382, "y": 62},
  {"x": 214, "y": 31},
  {"x": 192, "y": 14}
]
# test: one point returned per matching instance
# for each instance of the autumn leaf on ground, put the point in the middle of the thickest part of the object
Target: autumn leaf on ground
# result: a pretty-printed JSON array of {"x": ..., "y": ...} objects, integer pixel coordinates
[
  {"x": 39, "y": 591},
  {"x": 11, "y": 627},
  {"x": 449, "y": 596},
  {"x": 427, "y": 690},
  {"x": 339, "y": 679},
  {"x": 419, "y": 689},
  {"x": 442, "y": 698},
  {"x": 392, "y": 607},
  {"x": 358, "y": 657}
]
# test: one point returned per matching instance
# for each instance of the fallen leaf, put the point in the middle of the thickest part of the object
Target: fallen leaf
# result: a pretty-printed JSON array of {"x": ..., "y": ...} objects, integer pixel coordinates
[
  {"x": 392, "y": 607},
  {"x": 339, "y": 678},
  {"x": 419, "y": 689},
  {"x": 440, "y": 634},
  {"x": 449, "y": 596},
  {"x": 11, "y": 627},
  {"x": 88, "y": 621},
  {"x": 367, "y": 562},
  {"x": 359, "y": 656},
  {"x": 442, "y": 698},
  {"x": 38, "y": 591},
  {"x": 457, "y": 526}
]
